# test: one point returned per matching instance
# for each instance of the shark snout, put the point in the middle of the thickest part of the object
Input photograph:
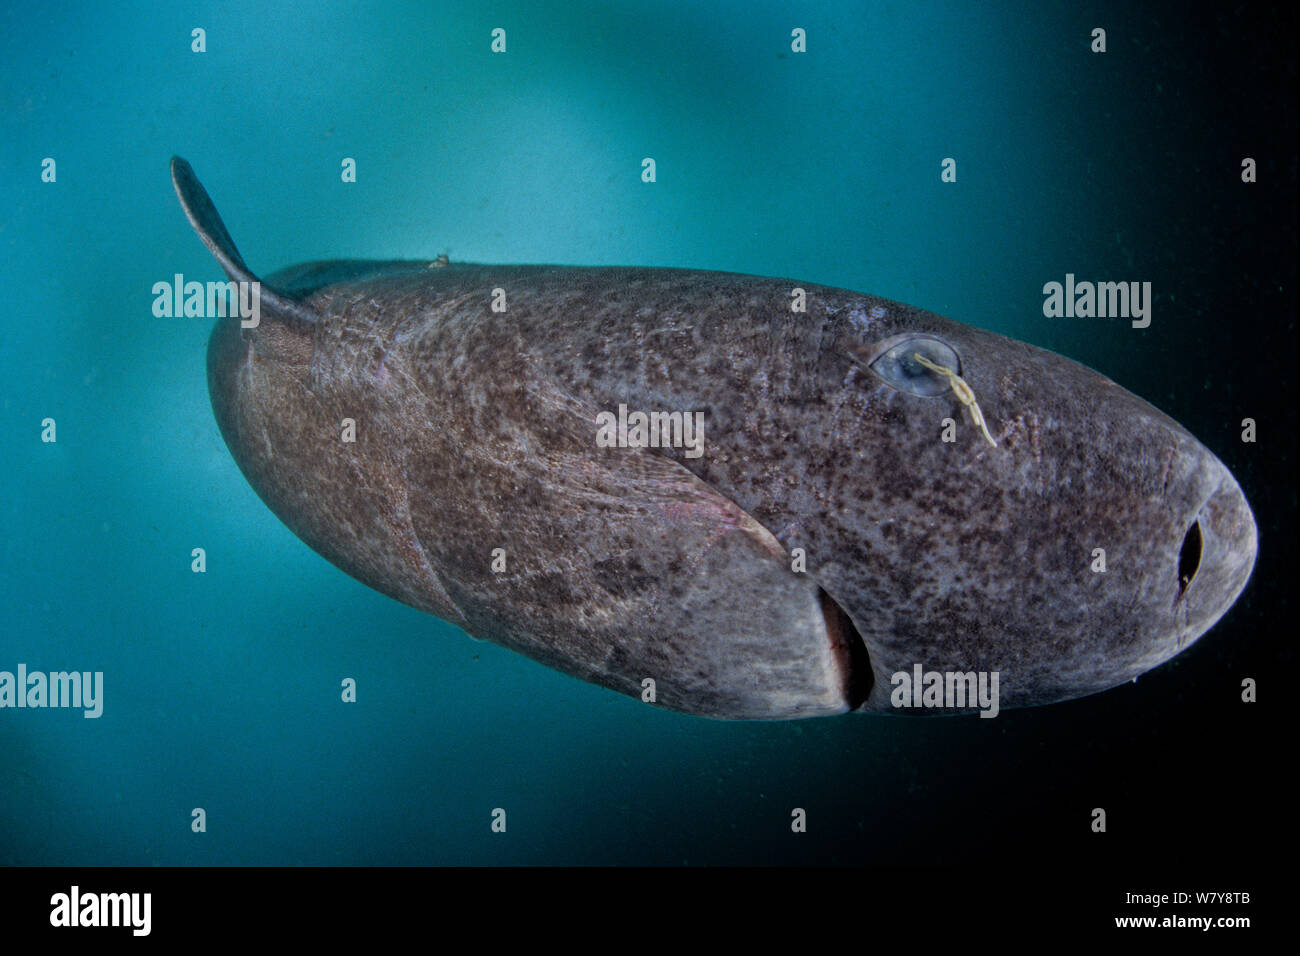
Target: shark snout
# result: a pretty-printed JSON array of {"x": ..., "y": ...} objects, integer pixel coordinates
[{"x": 1216, "y": 555}]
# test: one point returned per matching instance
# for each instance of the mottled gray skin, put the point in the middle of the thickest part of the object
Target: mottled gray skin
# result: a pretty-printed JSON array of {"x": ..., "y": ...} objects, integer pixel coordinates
[{"x": 476, "y": 430}]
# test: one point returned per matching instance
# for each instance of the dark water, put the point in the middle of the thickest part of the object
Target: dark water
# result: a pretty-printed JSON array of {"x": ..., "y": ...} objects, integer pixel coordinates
[{"x": 222, "y": 689}]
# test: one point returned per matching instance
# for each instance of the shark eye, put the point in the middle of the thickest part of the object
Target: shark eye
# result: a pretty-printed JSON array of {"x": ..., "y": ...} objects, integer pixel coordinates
[{"x": 898, "y": 365}]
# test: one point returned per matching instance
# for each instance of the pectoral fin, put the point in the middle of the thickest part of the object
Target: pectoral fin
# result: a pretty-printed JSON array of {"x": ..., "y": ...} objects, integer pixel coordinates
[{"x": 622, "y": 566}]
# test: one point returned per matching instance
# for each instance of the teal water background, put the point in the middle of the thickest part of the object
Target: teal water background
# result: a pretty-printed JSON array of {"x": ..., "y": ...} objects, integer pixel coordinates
[{"x": 222, "y": 689}]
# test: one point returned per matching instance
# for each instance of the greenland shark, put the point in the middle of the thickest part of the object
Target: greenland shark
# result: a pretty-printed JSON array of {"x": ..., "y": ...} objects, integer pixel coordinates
[{"x": 731, "y": 496}]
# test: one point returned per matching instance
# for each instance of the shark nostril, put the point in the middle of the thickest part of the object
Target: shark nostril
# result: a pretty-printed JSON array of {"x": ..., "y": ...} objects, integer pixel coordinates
[{"x": 1189, "y": 557}]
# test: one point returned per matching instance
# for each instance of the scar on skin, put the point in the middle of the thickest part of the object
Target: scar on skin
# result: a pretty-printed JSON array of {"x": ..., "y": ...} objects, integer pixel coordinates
[{"x": 963, "y": 393}]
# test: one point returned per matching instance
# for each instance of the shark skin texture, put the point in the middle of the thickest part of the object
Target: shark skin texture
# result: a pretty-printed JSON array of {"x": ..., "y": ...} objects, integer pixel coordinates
[{"x": 822, "y": 538}]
